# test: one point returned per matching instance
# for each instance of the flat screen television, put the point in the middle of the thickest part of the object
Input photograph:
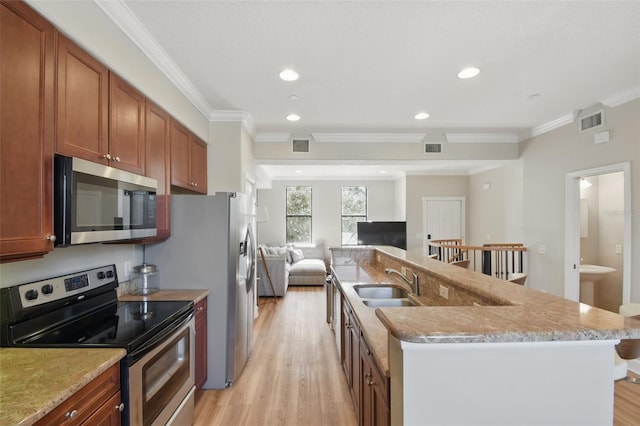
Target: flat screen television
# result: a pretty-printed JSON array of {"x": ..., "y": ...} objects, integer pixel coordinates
[{"x": 383, "y": 234}]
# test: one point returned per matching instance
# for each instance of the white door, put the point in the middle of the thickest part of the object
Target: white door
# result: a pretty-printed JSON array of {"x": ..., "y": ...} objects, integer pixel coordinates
[{"x": 443, "y": 218}]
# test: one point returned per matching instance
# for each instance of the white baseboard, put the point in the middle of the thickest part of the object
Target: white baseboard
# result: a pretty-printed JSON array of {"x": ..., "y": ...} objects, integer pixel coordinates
[{"x": 634, "y": 365}]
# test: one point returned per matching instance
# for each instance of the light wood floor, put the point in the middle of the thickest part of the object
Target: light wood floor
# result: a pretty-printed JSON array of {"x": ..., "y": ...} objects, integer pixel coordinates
[{"x": 294, "y": 376}]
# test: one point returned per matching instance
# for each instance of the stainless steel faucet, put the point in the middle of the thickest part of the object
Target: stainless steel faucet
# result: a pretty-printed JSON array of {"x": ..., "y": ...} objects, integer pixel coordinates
[{"x": 413, "y": 281}]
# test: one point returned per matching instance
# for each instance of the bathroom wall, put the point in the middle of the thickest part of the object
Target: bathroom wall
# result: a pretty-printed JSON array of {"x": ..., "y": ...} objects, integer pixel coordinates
[{"x": 605, "y": 200}]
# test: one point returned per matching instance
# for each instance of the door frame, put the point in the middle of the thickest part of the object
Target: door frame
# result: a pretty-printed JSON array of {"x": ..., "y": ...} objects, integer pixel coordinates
[
  {"x": 572, "y": 229},
  {"x": 463, "y": 217}
]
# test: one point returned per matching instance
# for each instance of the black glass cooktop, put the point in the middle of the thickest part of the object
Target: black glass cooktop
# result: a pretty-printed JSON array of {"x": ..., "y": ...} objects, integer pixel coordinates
[{"x": 120, "y": 324}]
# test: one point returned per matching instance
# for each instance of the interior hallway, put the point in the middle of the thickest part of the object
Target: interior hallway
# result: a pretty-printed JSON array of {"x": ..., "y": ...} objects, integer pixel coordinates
[{"x": 294, "y": 375}]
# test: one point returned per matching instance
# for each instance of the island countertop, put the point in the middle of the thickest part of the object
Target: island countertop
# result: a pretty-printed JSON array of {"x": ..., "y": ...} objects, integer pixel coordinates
[
  {"x": 517, "y": 314},
  {"x": 34, "y": 381}
]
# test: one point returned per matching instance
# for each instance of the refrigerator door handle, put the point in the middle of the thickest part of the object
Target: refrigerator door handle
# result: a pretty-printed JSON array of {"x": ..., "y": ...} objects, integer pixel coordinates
[{"x": 251, "y": 258}]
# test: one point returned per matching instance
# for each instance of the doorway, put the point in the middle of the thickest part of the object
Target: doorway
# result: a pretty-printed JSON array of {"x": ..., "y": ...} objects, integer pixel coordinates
[
  {"x": 442, "y": 218},
  {"x": 573, "y": 227}
]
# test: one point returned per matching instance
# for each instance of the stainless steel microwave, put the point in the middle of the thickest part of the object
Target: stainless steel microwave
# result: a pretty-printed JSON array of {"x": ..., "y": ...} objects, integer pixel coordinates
[{"x": 96, "y": 203}]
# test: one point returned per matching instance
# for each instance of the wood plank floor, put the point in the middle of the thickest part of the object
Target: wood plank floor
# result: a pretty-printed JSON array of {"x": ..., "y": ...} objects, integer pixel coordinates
[{"x": 294, "y": 375}]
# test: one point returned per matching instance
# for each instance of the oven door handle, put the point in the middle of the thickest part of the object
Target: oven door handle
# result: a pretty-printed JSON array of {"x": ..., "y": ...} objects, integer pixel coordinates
[{"x": 158, "y": 339}]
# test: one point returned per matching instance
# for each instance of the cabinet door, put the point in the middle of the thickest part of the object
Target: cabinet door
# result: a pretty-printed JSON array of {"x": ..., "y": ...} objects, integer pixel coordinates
[
  {"x": 26, "y": 131},
  {"x": 355, "y": 364},
  {"x": 346, "y": 342},
  {"x": 108, "y": 414},
  {"x": 374, "y": 395},
  {"x": 82, "y": 104},
  {"x": 126, "y": 126},
  {"x": 180, "y": 156},
  {"x": 157, "y": 155},
  {"x": 201, "y": 343},
  {"x": 199, "y": 165}
]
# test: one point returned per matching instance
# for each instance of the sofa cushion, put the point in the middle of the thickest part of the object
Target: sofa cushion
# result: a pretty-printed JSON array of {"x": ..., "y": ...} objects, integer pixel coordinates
[
  {"x": 308, "y": 267},
  {"x": 295, "y": 255}
]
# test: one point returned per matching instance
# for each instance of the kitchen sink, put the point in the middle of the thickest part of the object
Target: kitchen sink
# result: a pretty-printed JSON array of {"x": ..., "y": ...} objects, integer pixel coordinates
[
  {"x": 380, "y": 292},
  {"x": 388, "y": 303}
]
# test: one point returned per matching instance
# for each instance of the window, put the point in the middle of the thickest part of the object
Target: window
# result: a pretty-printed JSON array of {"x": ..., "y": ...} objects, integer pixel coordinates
[
  {"x": 354, "y": 210},
  {"x": 298, "y": 215}
]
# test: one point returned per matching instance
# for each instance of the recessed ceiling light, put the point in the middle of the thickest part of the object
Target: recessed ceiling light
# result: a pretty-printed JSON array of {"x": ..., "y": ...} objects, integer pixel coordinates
[
  {"x": 298, "y": 171},
  {"x": 421, "y": 115},
  {"x": 293, "y": 98},
  {"x": 289, "y": 75},
  {"x": 293, "y": 117},
  {"x": 534, "y": 96},
  {"x": 383, "y": 171},
  {"x": 468, "y": 72}
]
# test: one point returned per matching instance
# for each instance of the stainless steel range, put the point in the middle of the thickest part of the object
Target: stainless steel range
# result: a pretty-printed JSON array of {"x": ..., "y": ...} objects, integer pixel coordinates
[{"x": 81, "y": 310}]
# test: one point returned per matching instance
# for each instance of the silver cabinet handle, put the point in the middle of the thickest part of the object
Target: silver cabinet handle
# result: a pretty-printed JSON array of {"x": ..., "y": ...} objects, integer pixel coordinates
[
  {"x": 120, "y": 407},
  {"x": 71, "y": 414},
  {"x": 107, "y": 156},
  {"x": 51, "y": 238},
  {"x": 117, "y": 159}
]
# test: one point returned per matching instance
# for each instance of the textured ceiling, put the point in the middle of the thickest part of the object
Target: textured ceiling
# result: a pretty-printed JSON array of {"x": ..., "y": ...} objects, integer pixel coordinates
[{"x": 369, "y": 66}]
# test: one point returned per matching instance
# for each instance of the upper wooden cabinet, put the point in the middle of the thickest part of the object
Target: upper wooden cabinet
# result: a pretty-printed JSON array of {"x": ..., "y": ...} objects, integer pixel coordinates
[
  {"x": 100, "y": 116},
  {"x": 188, "y": 160},
  {"x": 26, "y": 130},
  {"x": 157, "y": 159},
  {"x": 82, "y": 104},
  {"x": 126, "y": 126}
]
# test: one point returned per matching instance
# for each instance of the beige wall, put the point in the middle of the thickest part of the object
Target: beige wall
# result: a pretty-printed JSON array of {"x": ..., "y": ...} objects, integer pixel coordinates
[
  {"x": 546, "y": 160},
  {"x": 326, "y": 208},
  {"x": 429, "y": 186},
  {"x": 495, "y": 206}
]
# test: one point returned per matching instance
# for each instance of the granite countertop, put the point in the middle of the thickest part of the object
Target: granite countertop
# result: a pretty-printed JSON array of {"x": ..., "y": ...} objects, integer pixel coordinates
[
  {"x": 522, "y": 314},
  {"x": 34, "y": 381},
  {"x": 162, "y": 295}
]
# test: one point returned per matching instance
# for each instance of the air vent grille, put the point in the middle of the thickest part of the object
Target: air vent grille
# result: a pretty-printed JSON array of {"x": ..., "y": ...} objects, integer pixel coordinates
[
  {"x": 432, "y": 148},
  {"x": 300, "y": 145},
  {"x": 591, "y": 121}
]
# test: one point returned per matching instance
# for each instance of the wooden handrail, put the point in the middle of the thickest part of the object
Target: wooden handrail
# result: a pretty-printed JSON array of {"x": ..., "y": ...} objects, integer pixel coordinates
[{"x": 487, "y": 247}]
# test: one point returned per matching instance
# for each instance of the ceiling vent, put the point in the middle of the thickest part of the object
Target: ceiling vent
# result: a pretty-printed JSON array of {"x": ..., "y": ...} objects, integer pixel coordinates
[
  {"x": 300, "y": 145},
  {"x": 592, "y": 121},
  {"x": 433, "y": 148}
]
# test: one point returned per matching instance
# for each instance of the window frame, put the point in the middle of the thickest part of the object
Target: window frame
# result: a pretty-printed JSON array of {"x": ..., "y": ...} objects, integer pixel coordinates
[
  {"x": 287, "y": 215},
  {"x": 364, "y": 216}
]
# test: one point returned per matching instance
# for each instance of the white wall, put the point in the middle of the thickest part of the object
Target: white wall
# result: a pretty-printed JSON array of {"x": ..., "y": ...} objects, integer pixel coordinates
[
  {"x": 326, "y": 208},
  {"x": 495, "y": 206},
  {"x": 546, "y": 160},
  {"x": 429, "y": 186}
]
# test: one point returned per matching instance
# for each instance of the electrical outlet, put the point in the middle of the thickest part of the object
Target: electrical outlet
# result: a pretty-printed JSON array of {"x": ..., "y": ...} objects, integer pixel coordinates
[
  {"x": 444, "y": 292},
  {"x": 378, "y": 258},
  {"x": 618, "y": 248},
  {"x": 404, "y": 271},
  {"x": 476, "y": 304},
  {"x": 542, "y": 249}
]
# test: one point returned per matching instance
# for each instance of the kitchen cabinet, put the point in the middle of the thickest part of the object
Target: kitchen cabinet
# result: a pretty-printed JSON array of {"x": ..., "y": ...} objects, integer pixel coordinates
[
  {"x": 201, "y": 343},
  {"x": 27, "y": 60},
  {"x": 374, "y": 401},
  {"x": 98, "y": 402},
  {"x": 188, "y": 160},
  {"x": 82, "y": 104},
  {"x": 126, "y": 126},
  {"x": 351, "y": 354},
  {"x": 157, "y": 163}
]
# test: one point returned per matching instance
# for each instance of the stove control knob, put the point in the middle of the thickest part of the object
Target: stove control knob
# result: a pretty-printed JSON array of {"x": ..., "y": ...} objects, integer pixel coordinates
[
  {"x": 31, "y": 295},
  {"x": 47, "y": 289},
  {"x": 101, "y": 275},
  {"x": 109, "y": 274}
]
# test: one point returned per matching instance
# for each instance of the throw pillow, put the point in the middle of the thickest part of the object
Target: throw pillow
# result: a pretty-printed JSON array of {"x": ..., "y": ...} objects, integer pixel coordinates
[{"x": 296, "y": 255}]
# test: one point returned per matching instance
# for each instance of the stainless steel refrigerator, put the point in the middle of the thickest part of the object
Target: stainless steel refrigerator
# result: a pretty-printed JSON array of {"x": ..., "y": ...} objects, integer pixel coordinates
[{"x": 212, "y": 247}]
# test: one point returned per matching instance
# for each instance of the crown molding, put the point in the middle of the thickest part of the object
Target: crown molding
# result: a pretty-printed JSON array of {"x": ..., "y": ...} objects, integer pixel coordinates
[
  {"x": 551, "y": 125},
  {"x": 622, "y": 98},
  {"x": 272, "y": 137},
  {"x": 368, "y": 137},
  {"x": 228, "y": 115},
  {"x": 131, "y": 26},
  {"x": 482, "y": 137}
]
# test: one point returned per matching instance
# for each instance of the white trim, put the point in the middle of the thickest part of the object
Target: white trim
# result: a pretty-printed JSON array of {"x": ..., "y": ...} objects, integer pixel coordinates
[
  {"x": 272, "y": 137},
  {"x": 572, "y": 229},
  {"x": 463, "y": 218},
  {"x": 369, "y": 137},
  {"x": 230, "y": 115},
  {"x": 622, "y": 98},
  {"x": 482, "y": 137},
  {"x": 552, "y": 125},
  {"x": 122, "y": 16}
]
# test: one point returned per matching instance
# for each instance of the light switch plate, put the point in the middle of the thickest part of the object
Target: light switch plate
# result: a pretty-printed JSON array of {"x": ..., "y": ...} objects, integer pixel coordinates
[
  {"x": 618, "y": 248},
  {"x": 542, "y": 249}
]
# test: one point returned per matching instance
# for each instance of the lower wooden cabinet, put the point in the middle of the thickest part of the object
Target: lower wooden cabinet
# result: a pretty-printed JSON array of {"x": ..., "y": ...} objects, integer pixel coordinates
[
  {"x": 201, "y": 343},
  {"x": 98, "y": 403}
]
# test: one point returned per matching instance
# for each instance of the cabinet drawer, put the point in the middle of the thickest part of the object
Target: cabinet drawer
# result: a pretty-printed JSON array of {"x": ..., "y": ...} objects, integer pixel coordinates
[{"x": 86, "y": 401}]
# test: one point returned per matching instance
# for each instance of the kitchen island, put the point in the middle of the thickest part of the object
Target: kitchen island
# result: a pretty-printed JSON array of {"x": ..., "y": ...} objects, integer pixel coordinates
[
  {"x": 478, "y": 350},
  {"x": 34, "y": 381}
]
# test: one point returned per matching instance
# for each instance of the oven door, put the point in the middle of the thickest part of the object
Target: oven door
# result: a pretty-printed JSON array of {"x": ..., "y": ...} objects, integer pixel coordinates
[{"x": 161, "y": 383}]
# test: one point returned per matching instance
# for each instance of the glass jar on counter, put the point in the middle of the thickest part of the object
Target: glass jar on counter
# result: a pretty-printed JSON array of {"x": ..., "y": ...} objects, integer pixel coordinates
[{"x": 145, "y": 279}]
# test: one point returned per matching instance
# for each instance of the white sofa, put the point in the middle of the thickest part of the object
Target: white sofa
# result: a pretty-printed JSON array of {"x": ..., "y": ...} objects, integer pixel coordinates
[{"x": 290, "y": 266}]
